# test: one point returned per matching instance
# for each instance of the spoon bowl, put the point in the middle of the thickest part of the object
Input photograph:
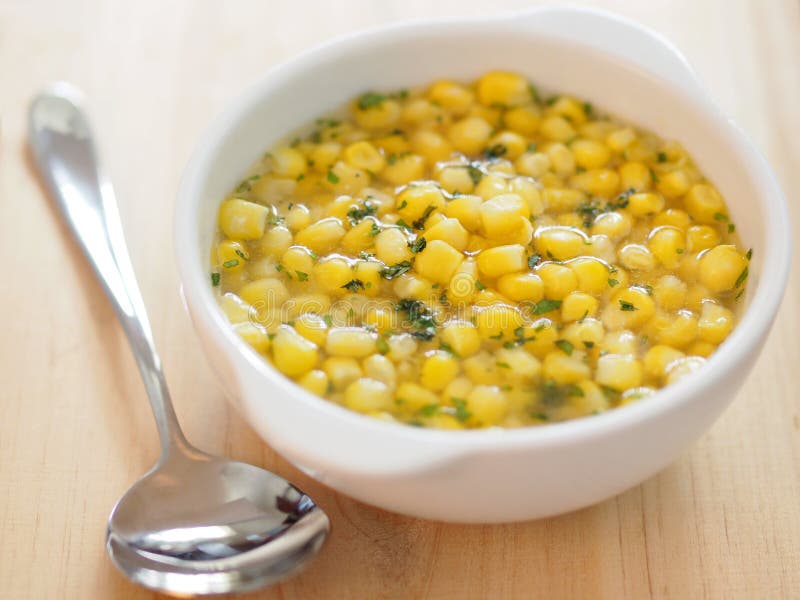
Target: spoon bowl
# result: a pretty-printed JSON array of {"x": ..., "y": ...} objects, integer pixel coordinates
[{"x": 196, "y": 523}]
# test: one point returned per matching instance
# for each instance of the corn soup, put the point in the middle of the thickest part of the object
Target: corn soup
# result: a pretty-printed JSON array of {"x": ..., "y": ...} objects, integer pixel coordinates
[{"x": 467, "y": 256}]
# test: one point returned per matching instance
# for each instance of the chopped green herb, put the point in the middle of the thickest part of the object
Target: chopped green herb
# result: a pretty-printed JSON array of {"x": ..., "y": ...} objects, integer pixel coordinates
[
  {"x": 240, "y": 254},
  {"x": 447, "y": 348},
  {"x": 621, "y": 201},
  {"x": 534, "y": 91},
  {"x": 403, "y": 204},
  {"x": 545, "y": 306},
  {"x": 328, "y": 320},
  {"x": 613, "y": 282},
  {"x": 626, "y": 306},
  {"x": 279, "y": 267},
  {"x": 403, "y": 225},
  {"x": 228, "y": 264},
  {"x": 503, "y": 365},
  {"x": 721, "y": 217},
  {"x": 740, "y": 294},
  {"x": 333, "y": 177},
  {"x": 374, "y": 230},
  {"x": 354, "y": 285},
  {"x": 390, "y": 272},
  {"x": 653, "y": 176},
  {"x": 215, "y": 279},
  {"x": 541, "y": 416},
  {"x": 370, "y": 100},
  {"x": 662, "y": 157},
  {"x": 497, "y": 336},
  {"x": 565, "y": 347},
  {"x": 749, "y": 254},
  {"x": 742, "y": 277},
  {"x": 589, "y": 344},
  {"x": 429, "y": 410},
  {"x": 531, "y": 147},
  {"x": 731, "y": 227},
  {"x": 495, "y": 151},
  {"x": 382, "y": 345},
  {"x": 418, "y": 245},
  {"x": 462, "y": 414},
  {"x": 475, "y": 174},
  {"x": 574, "y": 390},
  {"x": 680, "y": 250},
  {"x": 301, "y": 276},
  {"x": 533, "y": 260},
  {"x": 588, "y": 109},
  {"x": 479, "y": 286},
  {"x": 247, "y": 184},
  {"x": 356, "y": 213},
  {"x": 420, "y": 318},
  {"x": 420, "y": 223}
]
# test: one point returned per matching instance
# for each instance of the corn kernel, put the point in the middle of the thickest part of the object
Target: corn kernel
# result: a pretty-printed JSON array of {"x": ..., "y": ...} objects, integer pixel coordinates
[
  {"x": 564, "y": 369},
  {"x": 354, "y": 342},
  {"x": 497, "y": 321},
  {"x": 501, "y": 260},
  {"x": 521, "y": 287},
  {"x": 578, "y": 305},
  {"x": 703, "y": 203},
  {"x": 560, "y": 243},
  {"x": 559, "y": 280},
  {"x": 470, "y": 135},
  {"x": 242, "y": 220},
  {"x": 315, "y": 381},
  {"x": 363, "y": 155},
  {"x": 438, "y": 261},
  {"x": 503, "y": 88},
  {"x": 462, "y": 337},
  {"x": 669, "y": 292},
  {"x": 321, "y": 236},
  {"x": 715, "y": 323},
  {"x": 658, "y": 359},
  {"x": 680, "y": 331},
  {"x": 619, "y": 371},
  {"x": 404, "y": 168},
  {"x": 722, "y": 268},
  {"x": 628, "y": 308},
  {"x": 487, "y": 404},
  {"x": 365, "y": 395},
  {"x": 634, "y": 176},
  {"x": 292, "y": 354},
  {"x": 500, "y": 215}
]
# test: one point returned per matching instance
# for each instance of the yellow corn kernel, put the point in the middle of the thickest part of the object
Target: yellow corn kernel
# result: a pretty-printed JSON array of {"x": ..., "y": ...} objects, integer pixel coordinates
[
  {"x": 270, "y": 190},
  {"x": 700, "y": 348},
  {"x": 557, "y": 129},
  {"x": 540, "y": 337},
  {"x": 298, "y": 217},
  {"x": 696, "y": 295},
  {"x": 456, "y": 179},
  {"x": 341, "y": 371},
  {"x": 503, "y": 88},
  {"x": 470, "y": 135},
  {"x": 722, "y": 268},
  {"x": 315, "y": 381},
  {"x": 414, "y": 201},
  {"x": 467, "y": 210},
  {"x": 644, "y": 204},
  {"x": 500, "y": 215},
  {"x": 680, "y": 331},
  {"x": 292, "y": 354},
  {"x": 500, "y": 260},
  {"x": 453, "y": 96},
  {"x": 491, "y": 185},
  {"x": 619, "y": 342},
  {"x": 321, "y": 236},
  {"x": 521, "y": 365},
  {"x": 620, "y": 139},
  {"x": 615, "y": 225},
  {"x": 340, "y": 206},
  {"x": 413, "y": 397},
  {"x": 628, "y": 308},
  {"x": 462, "y": 337},
  {"x": 449, "y": 231},
  {"x": 404, "y": 169},
  {"x": 462, "y": 286},
  {"x": 324, "y": 155},
  {"x": 521, "y": 286},
  {"x": 701, "y": 237},
  {"x": 298, "y": 262},
  {"x": 355, "y": 342},
  {"x": 487, "y": 405},
  {"x": 312, "y": 327},
  {"x": 275, "y": 241},
  {"x": 597, "y": 182},
  {"x": 715, "y": 323},
  {"x": 363, "y": 155},
  {"x": 391, "y": 246},
  {"x": 430, "y": 145},
  {"x": 366, "y": 395},
  {"x": 590, "y": 154},
  {"x": 523, "y": 119},
  {"x": 564, "y": 369},
  {"x": 376, "y": 115},
  {"x": 393, "y": 144},
  {"x": 669, "y": 292},
  {"x": 508, "y": 144},
  {"x": 268, "y": 293},
  {"x": 533, "y": 164},
  {"x": 560, "y": 243},
  {"x": 636, "y": 257},
  {"x": 578, "y": 305},
  {"x": 438, "y": 261},
  {"x": 527, "y": 189},
  {"x": 619, "y": 371},
  {"x": 382, "y": 318},
  {"x": 592, "y": 274},
  {"x": 674, "y": 184},
  {"x": 562, "y": 200},
  {"x": 288, "y": 162},
  {"x": 457, "y": 389},
  {"x": 380, "y": 368},
  {"x": 255, "y": 335},
  {"x": 667, "y": 244},
  {"x": 704, "y": 204},
  {"x": 412, "y": 286},
  {"x": 236, "y": 310},
  {"x": 497, "y": 320},
  {"x": 331, "y": 274},
  {"x": 481, "y": 369},
  {"x": 585, "y": 333},
  {"x": 232, "y": 255},
  {"x": 658, "y": 359},
  {"x": 672, "y": 217},
  {"x": 369, "y": 273},
  {"x": 438, "y": 369},
  {"x": 683, "y": 367},
  {"x": 343, "y": 178},
  {"x": 300, "y": 304},
  {"x": 635, "y": 176},
  {"x": 242, "y": 220},
  {"x": 559, "y": 280},
  {"x": 360, "y": 237}
]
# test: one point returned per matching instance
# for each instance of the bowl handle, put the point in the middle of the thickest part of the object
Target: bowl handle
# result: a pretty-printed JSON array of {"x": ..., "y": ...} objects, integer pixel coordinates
[{"x": 614, "y": 35}]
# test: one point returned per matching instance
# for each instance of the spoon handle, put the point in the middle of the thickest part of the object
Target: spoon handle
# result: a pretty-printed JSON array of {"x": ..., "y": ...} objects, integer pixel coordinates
[{"x": 64, "y": 151}]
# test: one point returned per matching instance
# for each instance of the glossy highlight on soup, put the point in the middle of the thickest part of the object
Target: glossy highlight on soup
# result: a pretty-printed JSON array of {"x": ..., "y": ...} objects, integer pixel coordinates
[{"x": 477, "y": 255}]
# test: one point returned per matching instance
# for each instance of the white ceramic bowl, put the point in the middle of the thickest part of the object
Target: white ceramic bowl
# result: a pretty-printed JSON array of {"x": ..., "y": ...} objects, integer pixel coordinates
[{"x": 489, "y": 475}]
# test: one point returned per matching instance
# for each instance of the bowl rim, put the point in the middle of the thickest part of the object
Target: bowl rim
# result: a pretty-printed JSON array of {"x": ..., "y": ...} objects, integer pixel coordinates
[{"x": 752, "y": 328}]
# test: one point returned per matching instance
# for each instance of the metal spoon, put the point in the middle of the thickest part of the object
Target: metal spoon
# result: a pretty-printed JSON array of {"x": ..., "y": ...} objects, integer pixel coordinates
[{"x": 195, "y": 523}]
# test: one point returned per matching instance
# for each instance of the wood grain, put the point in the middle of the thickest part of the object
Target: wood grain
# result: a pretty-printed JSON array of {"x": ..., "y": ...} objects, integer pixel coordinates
[{"x": 75, "y": 430}]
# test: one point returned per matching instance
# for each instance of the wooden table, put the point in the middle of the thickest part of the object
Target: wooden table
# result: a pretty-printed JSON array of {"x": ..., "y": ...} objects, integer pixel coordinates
[{"x": 75, "y": 429}]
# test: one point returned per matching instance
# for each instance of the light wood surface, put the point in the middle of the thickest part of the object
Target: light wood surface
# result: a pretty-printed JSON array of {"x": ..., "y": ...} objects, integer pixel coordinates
[{"x": 75, "y": 428}]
